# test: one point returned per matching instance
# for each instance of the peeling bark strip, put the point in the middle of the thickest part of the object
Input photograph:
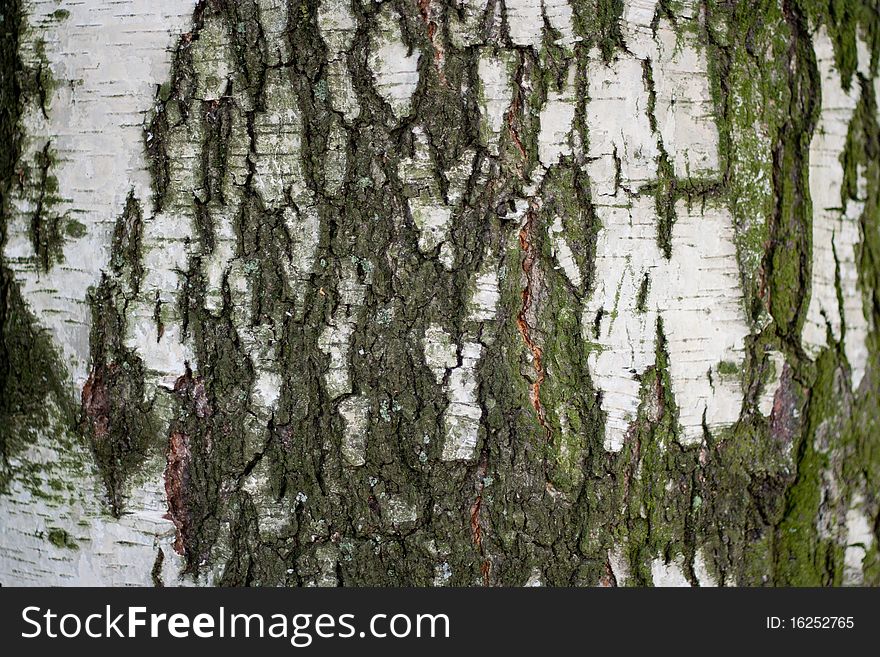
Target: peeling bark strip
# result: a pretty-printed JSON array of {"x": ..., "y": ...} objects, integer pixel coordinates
[
  {"x": 176, "y": 485},
  {"x": 534, "y": 292},
  {"x": 525, "y": 318}
]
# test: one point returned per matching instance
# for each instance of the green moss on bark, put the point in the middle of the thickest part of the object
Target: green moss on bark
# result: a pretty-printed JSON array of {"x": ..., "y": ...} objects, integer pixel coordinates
[{"x": 32, "y": 376}]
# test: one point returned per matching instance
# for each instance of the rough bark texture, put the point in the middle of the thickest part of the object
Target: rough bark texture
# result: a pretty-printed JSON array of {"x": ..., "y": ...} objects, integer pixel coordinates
[{"x": 486, "y": 292}]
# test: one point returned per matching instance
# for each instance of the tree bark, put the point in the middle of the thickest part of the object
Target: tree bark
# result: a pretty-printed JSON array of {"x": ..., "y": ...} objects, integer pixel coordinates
[{"x": 479, "y": 292}]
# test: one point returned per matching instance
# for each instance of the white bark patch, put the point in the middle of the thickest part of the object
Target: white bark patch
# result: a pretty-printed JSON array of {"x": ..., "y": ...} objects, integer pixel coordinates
[
  {"x": 218, "y": 261},
  {"x": 165, "y": 254},
  {"x": 525, "y": 22},
  {"x": 859, "y": 539},
  {"x": 534, "y": 579},
  {"x": 431, "y": 214},
  {"x": 457, "y": 367},
  {"x": 836, "y": 233},
  {"x": 701, "y": 570},
  {"x": 457, "y": 176},
  {"x": 556, "y": 120},
  {"x": 684, "y": 108},
  {"x": 212, "y": 59},
  {"x": 355, "y": 411},
  {"x": 336, "y": 336},
  {"x": 623, "y": 348},
  {"x": 394, "y": 67},
  {"x": 327, "y": 557},
  {"x": 636, "y": 26},
  {"x": 225, "y": 239},
  {"x": 304, "y": 230},
  {"x": 258, "y": 341},
  {"x": 466, "y": 22},
  {"x": 847, "y": 242},
  {"x": 273, "y": 19},
  {"x": 337, "y": 27},
  {"x": 335, "y": 159},
  {"x": 153, "y": 318},
  {"x": 277, "y": 133},
  {"x": 619, "y": 565},
  {"x": 57, "y": 532},
  {"x": 771, "y": 385},
  {"x": 483, "y": 305},
  {"x": 107, "y": 62},
  {"x": 618, "y": 125},
  {"x": 272, "y": 514},
  {"x": 495, "y": 71},
  {"x": 441, "y": 353},
  {"x": 559, "y": 14},
  {"x": 563, "y": 253},
  {"x": 683, "y": 105},
  {"x": 703, "y": 320},
  {"x": 697, "y": 292},
  {"x": 462, "y": 416},
  {"x": 668, "y": 574}
]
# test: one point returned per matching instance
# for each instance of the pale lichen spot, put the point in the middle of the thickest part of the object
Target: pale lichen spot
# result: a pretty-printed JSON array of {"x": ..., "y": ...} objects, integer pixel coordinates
[
  {"x": 397, "y": 509},
  {"x": 534, "y": 579},
  {"x": 267, "y": 388},
  {"x": 442, "y": 574}
]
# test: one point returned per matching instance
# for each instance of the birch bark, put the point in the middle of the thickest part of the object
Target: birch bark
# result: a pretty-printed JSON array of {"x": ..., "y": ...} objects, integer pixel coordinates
[{"x": 344, "y": 292}]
